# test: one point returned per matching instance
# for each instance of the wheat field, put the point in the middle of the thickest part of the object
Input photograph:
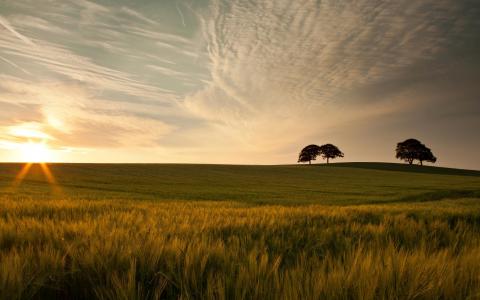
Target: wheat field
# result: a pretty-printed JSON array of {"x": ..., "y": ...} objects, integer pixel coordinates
[{"x": 73, "y": 248}]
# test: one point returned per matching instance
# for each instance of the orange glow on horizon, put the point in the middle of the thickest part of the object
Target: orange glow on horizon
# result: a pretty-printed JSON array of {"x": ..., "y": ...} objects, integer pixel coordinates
[{"x": 45, "y": 171}]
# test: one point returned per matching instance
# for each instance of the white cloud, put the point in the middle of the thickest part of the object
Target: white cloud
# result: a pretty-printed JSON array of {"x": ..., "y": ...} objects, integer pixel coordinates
[
  {"x": 250, "y": 80},
  {"x": 31, "y": 22},
  {"x": 74, "y": 116},
  {"x": 11, "y": 63},
  {"x": 12, "y": 30},
  {"x": 291, "y": 64},
  {"x": 63, "y": 61},
  {"x": 138, "y": 15}
]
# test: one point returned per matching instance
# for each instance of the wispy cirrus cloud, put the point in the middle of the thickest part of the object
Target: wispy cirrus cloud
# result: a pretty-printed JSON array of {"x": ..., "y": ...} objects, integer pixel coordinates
[
  {"x": 73, "y": 117},
  {"x": 239, "y": 81},
  {"x": 304, "y": 53},
  {"x": 12, "y": 30},
  {"x": 285, "y": 72},
  {"x": 77, "y": 97},
  {"x": 62, "y": 61},
  {"x": 137, "y": 15}
]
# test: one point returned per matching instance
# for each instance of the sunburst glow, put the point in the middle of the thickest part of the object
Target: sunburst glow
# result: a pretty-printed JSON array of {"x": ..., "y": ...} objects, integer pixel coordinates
[
  {"x": 35, "y": 152},
  {"x": 26, "y": 169}
]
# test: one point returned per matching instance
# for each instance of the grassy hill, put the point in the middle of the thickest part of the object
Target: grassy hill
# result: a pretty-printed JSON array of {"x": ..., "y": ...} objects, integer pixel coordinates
[
  {"x": 342, "y": 231},
  {"x": 348, "y": 183},
  {"x": 408, "y": 168}
]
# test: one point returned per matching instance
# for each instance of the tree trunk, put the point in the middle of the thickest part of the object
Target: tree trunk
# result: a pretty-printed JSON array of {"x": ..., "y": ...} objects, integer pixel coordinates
[
  {"x": 328, "y": 159},
  {"x": 421, "y": 163},
  {"x": 410, "y": 162},
  {"x": 309, "y": 162}
]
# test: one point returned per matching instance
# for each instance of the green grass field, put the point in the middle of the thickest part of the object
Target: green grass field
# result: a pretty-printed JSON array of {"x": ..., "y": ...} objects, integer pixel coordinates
[{"x": 343, "y": 231}]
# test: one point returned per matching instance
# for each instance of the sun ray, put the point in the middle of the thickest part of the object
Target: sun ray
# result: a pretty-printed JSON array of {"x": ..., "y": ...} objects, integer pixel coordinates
[
  {"x": 48, "y": 174},
  {"x": 26, "y": 168},
  {"x": 36, "y": 154}
]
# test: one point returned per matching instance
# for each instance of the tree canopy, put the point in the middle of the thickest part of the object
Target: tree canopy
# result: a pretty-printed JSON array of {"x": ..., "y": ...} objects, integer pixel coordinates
[
  {"x": 309, "y": 153},
  {"x": 329, "y": 151},
  {"x": 412, "y": 149}
]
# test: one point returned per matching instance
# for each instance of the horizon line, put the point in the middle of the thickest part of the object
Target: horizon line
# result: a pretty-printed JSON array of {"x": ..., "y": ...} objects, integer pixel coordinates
[{"x": 235, "y": 164}]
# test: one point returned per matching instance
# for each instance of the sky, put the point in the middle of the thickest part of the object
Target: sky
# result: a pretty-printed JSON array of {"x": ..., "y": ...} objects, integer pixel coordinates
[{"x": 237, "y": 81}]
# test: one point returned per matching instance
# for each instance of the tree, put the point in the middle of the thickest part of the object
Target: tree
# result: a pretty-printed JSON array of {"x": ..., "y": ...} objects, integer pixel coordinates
[
  {"x": 425, "y": 154},
  {"x": 408, "y": 150},
  {"x": 330, "y": 151},
  {"x": 412, "y": 149},
  {"x": 309, "y": 153}
]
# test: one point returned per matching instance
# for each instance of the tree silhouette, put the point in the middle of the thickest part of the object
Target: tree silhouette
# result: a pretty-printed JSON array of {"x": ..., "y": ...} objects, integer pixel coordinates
[
  {"x": 425, "y": 154},
  {"x": 408, "y": 150},
  {"x": 412, "y": 149},
  {"x": 309, "y": 153},
  {"x": 330, "y": 151}
]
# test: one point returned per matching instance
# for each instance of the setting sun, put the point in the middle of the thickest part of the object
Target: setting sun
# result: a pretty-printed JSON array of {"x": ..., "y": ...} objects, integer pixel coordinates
[{"x": 35, "y": 152}]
